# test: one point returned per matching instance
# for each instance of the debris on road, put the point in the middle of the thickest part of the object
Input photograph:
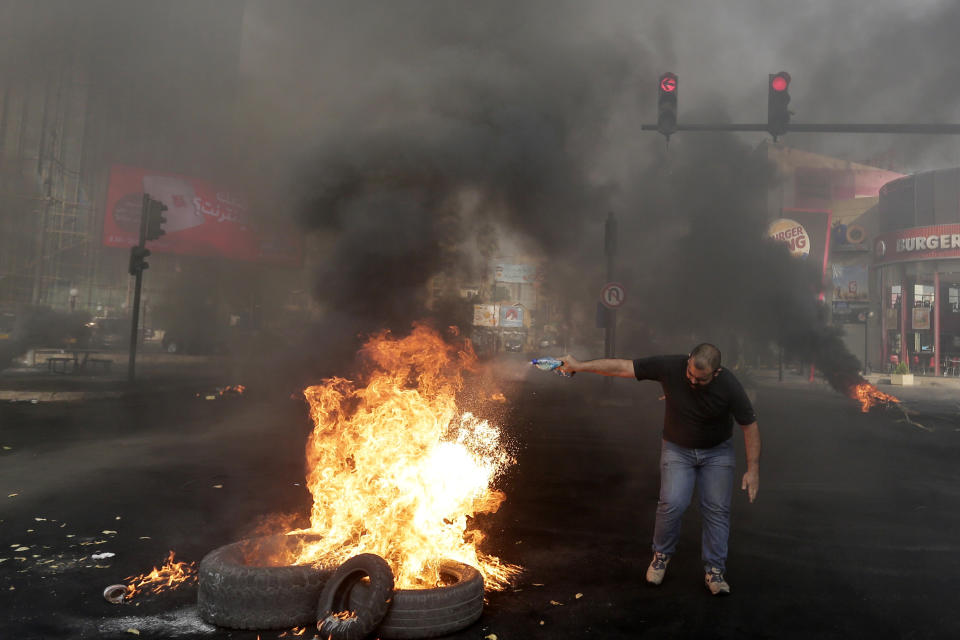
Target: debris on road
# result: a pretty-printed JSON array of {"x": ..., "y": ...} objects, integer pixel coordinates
[{"x": 115, "y": 593}]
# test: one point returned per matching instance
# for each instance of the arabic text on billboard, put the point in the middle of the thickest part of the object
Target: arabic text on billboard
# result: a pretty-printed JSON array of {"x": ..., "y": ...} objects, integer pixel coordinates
[{"x": 202, "y": 219}]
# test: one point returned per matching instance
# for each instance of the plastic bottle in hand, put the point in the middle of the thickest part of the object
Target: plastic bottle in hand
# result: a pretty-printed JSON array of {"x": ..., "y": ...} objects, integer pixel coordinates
[{"x": 549, "y": 364}]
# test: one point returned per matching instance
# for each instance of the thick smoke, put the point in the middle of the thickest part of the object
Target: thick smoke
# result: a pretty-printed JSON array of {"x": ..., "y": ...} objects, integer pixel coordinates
[
  {"x": 422, "y": 138},
  {"x": 522, "y": 129},
  {"x": 719, "y": 278},
  {"x": 478, "y": 133},
  {"x": 893, "y": 67}
]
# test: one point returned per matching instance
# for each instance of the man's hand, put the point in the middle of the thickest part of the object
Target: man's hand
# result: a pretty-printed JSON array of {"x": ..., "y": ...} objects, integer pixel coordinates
[
  {"x": 751, "y": 483},
  {"x": 569, "y": 365}
]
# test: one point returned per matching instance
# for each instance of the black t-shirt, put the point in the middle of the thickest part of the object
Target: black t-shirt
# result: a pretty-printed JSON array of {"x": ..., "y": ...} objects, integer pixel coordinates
[{"x": 696, "y": 417}]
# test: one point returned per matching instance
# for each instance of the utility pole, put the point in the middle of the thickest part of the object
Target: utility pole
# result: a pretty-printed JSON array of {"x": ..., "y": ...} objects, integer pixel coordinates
[{"x": 610, "y": 249}]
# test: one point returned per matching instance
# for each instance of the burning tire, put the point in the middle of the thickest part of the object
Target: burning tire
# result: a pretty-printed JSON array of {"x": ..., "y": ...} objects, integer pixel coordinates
[
  {"x": 344, "y": 618},
  {"x": 239, "y": 588},
  {"x": 428, "y": 613}
]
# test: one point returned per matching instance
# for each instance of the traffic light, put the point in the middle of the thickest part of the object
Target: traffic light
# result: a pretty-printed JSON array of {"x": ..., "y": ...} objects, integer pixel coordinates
[
  {"x": 778, "y": 97},
  {"x": 155, "y": 218},
  {"x": 138, "y": 260},
  {"x": 667, "y": 104}
]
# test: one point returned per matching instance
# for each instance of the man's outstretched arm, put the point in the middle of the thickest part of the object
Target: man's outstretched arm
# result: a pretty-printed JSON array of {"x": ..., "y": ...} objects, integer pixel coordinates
[{"x": 605, "y": 366}]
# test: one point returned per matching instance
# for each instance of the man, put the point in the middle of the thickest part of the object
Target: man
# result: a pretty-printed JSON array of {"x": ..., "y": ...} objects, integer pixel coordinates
[{"x": 697, "y": 448}]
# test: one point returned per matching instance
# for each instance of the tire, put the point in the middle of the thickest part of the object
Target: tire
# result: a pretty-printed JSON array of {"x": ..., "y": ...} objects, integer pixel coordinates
[
  {"x": 428, "y": 613},
  {"x": 238, "y": 591},
  {"x": 342, "y": 618}
]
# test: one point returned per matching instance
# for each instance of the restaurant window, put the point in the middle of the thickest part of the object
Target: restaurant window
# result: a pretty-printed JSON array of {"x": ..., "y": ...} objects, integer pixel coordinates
[
  {"x": 922, "y": 295},
  {"x": 895, "y": 296},
  {"x": 953, "y": 297}
]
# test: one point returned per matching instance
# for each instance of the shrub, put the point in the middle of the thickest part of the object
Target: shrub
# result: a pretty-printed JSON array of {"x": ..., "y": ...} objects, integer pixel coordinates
[{"x": 902, "y": 369}]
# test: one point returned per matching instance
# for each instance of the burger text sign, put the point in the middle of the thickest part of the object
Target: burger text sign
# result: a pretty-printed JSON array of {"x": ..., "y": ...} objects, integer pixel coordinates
[{"x": 791, "y": 233}]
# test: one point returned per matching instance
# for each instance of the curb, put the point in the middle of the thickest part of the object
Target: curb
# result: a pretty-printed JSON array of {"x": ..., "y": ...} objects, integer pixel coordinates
[{"x": 57, "y": 396}]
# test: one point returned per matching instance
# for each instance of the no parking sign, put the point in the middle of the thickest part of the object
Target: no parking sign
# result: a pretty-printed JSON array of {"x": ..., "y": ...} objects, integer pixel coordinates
[{"x": 612, "y": 295}]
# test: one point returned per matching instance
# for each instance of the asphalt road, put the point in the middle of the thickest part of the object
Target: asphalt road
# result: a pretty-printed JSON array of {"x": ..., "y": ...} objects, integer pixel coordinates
[{"x": 853, "y": 534}]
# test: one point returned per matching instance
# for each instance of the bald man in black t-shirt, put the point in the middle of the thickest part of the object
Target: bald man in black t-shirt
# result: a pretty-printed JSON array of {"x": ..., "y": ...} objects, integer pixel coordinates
[{"x": 702, "y": 400}]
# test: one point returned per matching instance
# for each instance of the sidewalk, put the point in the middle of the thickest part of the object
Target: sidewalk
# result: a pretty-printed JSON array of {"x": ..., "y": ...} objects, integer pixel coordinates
[
  {"x": 154, "y": 373},
  {"x": 942, "y": 388}
]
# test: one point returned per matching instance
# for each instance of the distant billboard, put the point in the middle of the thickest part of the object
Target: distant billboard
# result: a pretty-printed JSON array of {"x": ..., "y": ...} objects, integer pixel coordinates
[
  {"x": 511, "y": 316},
  {"x": 485, "y": 315},
  {"x": 515, "y": 273},
  {"x": 202, "y": 219},
  {"x": 850, "y": 283}
]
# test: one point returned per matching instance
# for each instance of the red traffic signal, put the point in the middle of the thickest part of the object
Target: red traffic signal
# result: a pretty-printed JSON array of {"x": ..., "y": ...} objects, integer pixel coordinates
[
  {"x": 780, "y": 82},
  {"x": 778, "y": 100},
  {"x": 668, "y": 83},
  {"x": 667, "y": 104}
]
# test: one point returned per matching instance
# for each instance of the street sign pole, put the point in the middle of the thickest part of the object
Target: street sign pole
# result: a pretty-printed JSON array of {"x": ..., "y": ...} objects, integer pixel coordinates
[{"x": 610, "y": 249}]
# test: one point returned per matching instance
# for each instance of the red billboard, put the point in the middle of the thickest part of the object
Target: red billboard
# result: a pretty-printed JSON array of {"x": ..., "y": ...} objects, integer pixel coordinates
[{"x": 202, "y": 219}]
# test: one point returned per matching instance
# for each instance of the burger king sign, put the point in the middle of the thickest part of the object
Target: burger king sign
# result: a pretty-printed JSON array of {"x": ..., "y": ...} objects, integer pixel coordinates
[{"x": 792, "y": 234}]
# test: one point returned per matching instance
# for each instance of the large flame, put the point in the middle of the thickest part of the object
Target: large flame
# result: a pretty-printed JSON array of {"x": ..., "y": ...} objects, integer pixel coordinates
[
  {"x": 868, "y": 396},
  {"x": 396, "y": 469}
]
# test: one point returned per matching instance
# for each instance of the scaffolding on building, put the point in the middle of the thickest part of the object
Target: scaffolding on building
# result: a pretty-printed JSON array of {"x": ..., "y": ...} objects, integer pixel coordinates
[{"x": 48, "y": 228}]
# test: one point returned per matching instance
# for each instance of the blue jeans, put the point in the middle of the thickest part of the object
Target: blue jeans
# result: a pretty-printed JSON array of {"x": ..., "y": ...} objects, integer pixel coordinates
[{"x": 680, "y": 470}]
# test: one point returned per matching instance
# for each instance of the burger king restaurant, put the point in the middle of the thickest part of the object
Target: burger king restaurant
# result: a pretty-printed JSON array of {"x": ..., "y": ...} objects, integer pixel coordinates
[{"x": 916, "y": 260}]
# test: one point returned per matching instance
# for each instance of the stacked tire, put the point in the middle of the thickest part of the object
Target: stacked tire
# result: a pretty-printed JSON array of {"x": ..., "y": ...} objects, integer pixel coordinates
[{"x": 238, "y": 590}]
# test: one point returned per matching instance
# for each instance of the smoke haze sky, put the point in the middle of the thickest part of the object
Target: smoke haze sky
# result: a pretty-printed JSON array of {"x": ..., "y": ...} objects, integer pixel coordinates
[{"x": 406, "y": 134}]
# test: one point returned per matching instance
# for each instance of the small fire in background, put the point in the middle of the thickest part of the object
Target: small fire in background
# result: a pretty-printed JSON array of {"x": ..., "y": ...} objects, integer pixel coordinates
[
  {"x": 167, "y": 577},
  {"x": 231, "y": 389},
  {"x": 224, "y": 392},
  {"x": 397, "y": 469},
  {"x": 869, "y": 396}
]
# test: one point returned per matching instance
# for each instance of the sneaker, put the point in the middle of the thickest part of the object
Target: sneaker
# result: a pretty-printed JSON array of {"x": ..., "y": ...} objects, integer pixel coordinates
[
  {"x": 716, "y": 582},
  {"x": 657, "y": 568}
]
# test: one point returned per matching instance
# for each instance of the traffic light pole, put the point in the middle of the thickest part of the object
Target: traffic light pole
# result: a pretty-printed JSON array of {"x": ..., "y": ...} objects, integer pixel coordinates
[
  {"x": 138, "y": 283},
  {"x": 135, "y": 322},
  {"x": 939, "y": 129}
]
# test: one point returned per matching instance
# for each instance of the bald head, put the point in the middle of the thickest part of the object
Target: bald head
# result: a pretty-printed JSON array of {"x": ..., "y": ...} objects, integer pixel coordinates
[{"x": 706, "y": 357}]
